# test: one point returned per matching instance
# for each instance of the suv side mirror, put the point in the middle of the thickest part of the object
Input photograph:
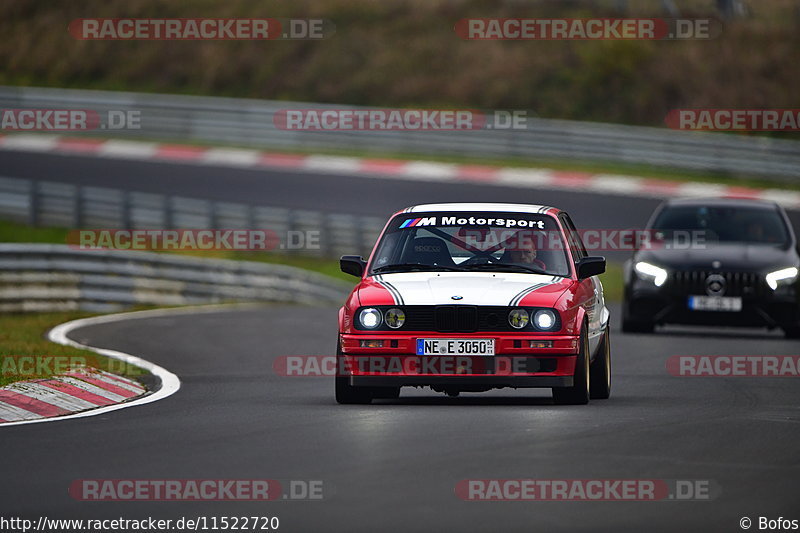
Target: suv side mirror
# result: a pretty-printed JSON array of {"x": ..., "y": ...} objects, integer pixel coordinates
[
  {"x": 591, "y": 266},
  {"x": 353, "y": 265}
]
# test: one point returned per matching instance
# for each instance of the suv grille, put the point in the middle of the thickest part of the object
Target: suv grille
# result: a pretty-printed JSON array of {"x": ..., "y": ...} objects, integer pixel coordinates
[{"x": 736, "y": 283}]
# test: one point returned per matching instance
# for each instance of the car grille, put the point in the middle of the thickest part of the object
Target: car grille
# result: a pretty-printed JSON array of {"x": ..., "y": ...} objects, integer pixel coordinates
[
  {"x": 458, "y": 318},
  {"x": 736, "y": 283}
]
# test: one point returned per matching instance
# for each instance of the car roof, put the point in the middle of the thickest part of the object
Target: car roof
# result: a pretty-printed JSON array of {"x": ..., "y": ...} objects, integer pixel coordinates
[
  {"x": 722, "y": 202},
  {"x": 479, "y": 207}
]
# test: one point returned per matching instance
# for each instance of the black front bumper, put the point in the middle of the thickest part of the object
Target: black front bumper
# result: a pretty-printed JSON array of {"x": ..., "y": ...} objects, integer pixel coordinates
[
  {"x": 520, "y": 382},
  {"x": 668, "y": 304}
]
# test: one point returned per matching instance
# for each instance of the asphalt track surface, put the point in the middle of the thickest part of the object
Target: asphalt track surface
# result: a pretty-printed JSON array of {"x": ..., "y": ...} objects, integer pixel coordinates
[{"x": 394, "y": 465}]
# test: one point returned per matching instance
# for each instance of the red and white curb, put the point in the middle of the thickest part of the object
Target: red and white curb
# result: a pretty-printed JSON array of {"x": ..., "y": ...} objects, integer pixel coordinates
[
  {"x": 78, "y": 390},
  {"x": 48, "y": 403},
  {"x": 528, "y": 178}
]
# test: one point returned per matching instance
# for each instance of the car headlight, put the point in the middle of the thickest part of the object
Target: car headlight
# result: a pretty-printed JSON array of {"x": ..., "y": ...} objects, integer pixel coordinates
[
  {"x": 544, "y": 319},
  {"x": 651, "y": 272},
  {"x": 395, "y": 318},
  {"x": 785, "y": 275},
  {"x": 518, "y": 318},
  {"x": 370, "y": 318}
]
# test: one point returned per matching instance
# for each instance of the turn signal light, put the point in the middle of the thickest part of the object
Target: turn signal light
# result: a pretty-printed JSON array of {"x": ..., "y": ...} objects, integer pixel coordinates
[
  {"x": 541, "y": 344},
  {"x": 372, "y": 343}
]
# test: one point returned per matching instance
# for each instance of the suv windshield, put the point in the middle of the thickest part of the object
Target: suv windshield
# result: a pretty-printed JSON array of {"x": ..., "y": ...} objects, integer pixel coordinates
[
  {"x": 462, "y": 241},
  {"x": 755, "y": 225}
]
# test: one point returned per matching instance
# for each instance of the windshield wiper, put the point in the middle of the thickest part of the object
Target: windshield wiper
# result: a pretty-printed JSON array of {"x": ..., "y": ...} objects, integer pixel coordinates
[
  {"x": 507, "y": 267},
  {"x": 414, "y": 266}
]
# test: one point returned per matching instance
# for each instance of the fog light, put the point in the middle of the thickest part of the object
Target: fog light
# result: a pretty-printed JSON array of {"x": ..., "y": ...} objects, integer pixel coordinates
[
  {"x": 372, "y": 343},
  {"x": 518, "y": 318},
  {"x": 395, "y": 318},
  {"x": 541, "y": 344}
]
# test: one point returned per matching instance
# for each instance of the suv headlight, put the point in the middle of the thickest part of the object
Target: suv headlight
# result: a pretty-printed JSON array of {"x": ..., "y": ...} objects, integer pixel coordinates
[
  {"x": 651, "y": 272},
  {"x": 370, "y": 318},
  {"x": 780, "y": 277}
]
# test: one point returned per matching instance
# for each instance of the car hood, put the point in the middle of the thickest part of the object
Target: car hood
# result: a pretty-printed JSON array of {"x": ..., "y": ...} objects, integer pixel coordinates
[
  {"x": 468, "y": 288},
  {"x": 743, "y": 257}
]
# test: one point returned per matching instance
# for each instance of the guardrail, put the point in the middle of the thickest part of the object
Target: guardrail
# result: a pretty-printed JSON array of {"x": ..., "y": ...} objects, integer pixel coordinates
[
  {"x": 51, "y": 277},
  {"x": 54, "y": 204},
  {"x": 40, "y": 277},
  {"x": 250, "y": 122}
]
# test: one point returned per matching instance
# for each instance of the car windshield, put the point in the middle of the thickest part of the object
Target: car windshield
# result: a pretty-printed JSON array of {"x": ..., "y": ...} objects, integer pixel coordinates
[
  {"x": 483, "y": 241},
  {"x": 721, "y": 224}
]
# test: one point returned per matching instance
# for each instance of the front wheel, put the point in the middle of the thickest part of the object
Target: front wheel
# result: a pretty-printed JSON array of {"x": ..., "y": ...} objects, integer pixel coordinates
[
  {"x": 632, "y": 325},
  {"x": 578, "y": 393},
  {"x": 346, "y": 393},
  {"x": 600, "y": 370},
  {"x": 792, "y": 332}
]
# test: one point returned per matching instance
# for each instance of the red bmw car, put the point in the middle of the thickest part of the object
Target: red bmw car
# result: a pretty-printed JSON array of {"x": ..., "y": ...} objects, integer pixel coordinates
[{"x": 473, "y": 297}]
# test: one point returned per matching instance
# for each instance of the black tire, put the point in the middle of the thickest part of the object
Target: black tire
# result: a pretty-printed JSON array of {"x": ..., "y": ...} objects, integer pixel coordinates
[
  {"x": 578, "y": 393},
  {"x": 631, "y": 325},
  {"x": 600, "y": 370},
  {"x": 346, "y": 393},
  {"x": 792, "y": 332},
  {"x": 386, "y": 393}
]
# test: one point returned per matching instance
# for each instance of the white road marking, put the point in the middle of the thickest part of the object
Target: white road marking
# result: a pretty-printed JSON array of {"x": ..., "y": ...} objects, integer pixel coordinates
[
  {"x": 425, "y": 170},
  {"x": 232, "y": 156},
  {"x": 31, "y": 143},
  {"x": 325, "y": 163},
  {"x": 525, "y": 177},
  {"x": 128, "y": 149}
]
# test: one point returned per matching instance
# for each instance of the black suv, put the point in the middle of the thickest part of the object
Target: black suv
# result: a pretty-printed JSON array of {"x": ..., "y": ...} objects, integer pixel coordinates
[{"x": 715, "y": 261}]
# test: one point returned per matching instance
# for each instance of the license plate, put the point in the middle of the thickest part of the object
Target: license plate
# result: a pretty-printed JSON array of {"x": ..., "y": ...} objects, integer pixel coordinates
[
  {"x": 715, "y": 303},
  {"x": 455, "y": 346}
]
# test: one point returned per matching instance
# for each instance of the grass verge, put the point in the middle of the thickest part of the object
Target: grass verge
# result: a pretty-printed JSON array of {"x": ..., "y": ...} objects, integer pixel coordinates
[{"x": 26, "y": 354}]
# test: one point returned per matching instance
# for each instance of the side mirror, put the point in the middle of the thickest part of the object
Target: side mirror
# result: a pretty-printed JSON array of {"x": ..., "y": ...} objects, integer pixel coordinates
[
  {"x": 353, "y": 265},
  {"x": 591, "y": 266}
]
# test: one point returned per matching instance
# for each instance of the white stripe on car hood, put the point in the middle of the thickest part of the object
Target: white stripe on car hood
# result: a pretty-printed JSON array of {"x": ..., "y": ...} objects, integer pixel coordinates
[{"x": 474, "y": 288}]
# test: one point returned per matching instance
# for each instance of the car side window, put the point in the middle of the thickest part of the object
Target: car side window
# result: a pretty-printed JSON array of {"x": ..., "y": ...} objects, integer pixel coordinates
[{"x": 573, "y": 238}]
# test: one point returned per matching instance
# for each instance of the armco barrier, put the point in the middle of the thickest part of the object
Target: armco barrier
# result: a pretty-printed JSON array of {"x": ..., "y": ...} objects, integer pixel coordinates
[
  {"x": 53, "y": 204},
  {"x": 250, "y": 123},
  {"x": 48, "y": 277}
]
